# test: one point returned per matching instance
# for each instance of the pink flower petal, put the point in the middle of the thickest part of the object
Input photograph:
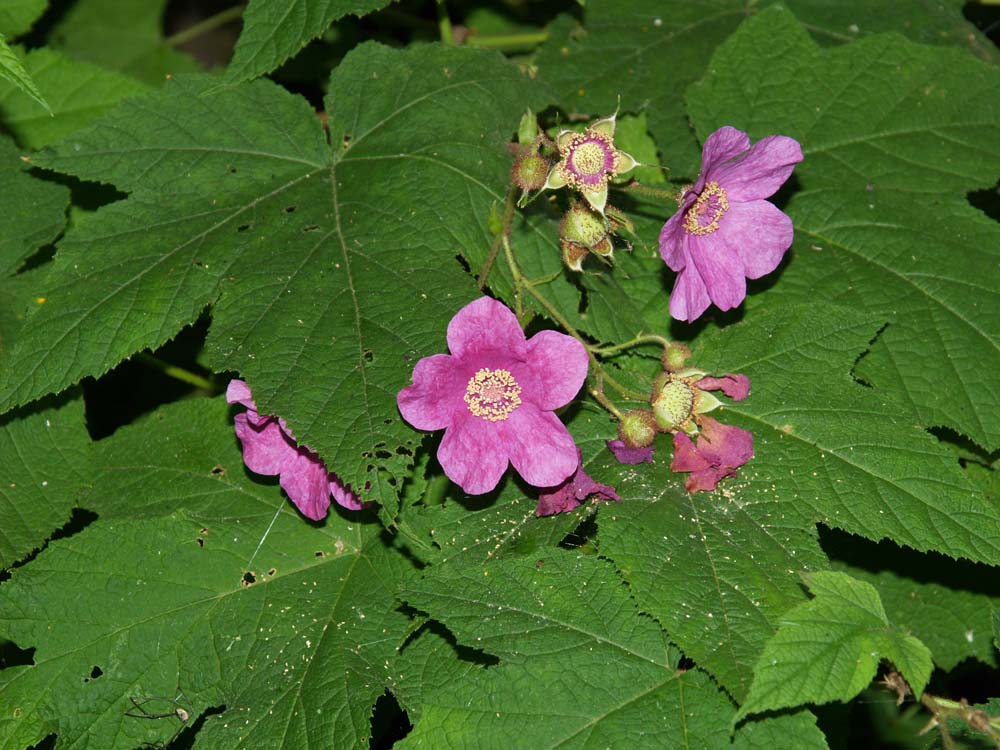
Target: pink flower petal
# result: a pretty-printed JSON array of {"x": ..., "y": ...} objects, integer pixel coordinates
[
  {"x": 238, "y": 392},
  {"x": 625, "y": 455},
  {"x": 483, "y": 327},
  {"x": 758, "y": 234},
  {"x": 342, "y": 493},
  {"x": 266, "y": 448},
  {"x": 737, "y": 387},
  {"x": 539, "y": 446},
  {"x": 761, "y": 171},
  {"x": 305, "y": 480},
  {"x": 672, "y": 238},
  {"x": 568, "y": 495},
  {"x": 721, "y": 270},
  {"x": 686, "y": 456},
  {"x": 723, "y": 444},
  {"x": 473, "y": 454},
  {"x": 689, "y": 298},
  {"x": 721, "y": 146},
  {"x": 437, "y": 391},
  {"x": 558, "y": 364}
]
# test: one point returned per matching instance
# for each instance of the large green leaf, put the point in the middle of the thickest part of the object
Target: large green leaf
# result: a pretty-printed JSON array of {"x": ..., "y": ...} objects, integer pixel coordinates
[
  {"x": 330, "y": 270},
  {"x": 17, "y": 16},
  {"x": 203, "y": 583},
  {"x": 132, "y": 43},
  {"x": 77, "y": 93},
  {"x": 274, "y": 30},
  {"x": 12, "y": 70},
  {"x": 557, "y": 623},
  {"x": 894, "y": 135},
  {"x": 829, "y": 648}
]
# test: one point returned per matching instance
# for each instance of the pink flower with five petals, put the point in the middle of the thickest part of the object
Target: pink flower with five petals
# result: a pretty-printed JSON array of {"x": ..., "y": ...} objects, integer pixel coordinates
[
  {"x": 269, "y": 448},
  {"x": 724, "y": 232},
  {"x": 494, "y": 396}
]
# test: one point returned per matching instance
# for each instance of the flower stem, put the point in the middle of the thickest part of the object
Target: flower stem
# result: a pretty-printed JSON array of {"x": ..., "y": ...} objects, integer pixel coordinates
[
  {"x": 202, "y": 27},
  {"x": 639, "y": 340},
  {"x": 635, "y": 187},
  {"x": 508, "y": 42},
  {"x": 444, "y": 23},
  {"x": 599, "y": 397},
  {"x": 508, "y": 217},
  {"x": 173, "y": 371}
]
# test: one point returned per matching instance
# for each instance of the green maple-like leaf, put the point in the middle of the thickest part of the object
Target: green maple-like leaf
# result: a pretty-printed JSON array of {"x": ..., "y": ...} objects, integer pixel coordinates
[
  {"x": 330, "y": 269},
  {"x": 17, "y": 16},
  {"x": 646, "y": 52},
  {"x": 894, "y": 135},
  {"x": 132, "y": 44},
  {"x": 828, "y": 649},
  {"x": 274, "y": 30},
  {"x": 77, "y": 93},
  {"x": 552, "y": 625},
  {"x": 200, "y": 582}
]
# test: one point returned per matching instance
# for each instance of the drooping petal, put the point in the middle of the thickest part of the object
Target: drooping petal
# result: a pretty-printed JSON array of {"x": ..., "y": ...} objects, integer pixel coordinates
[
  {"x": 485, "y": 326},
  {"x": 568, "y": 495},
  {"x": 672, "y": 239},
  {"x": 473, "y": 454},
  {"x": 759, "y": 234},
  {"x": 625, "y": 455},
  {"x": 724, "y": 444},
  {"x": 689, "y": 298},
  {"x": 436, "y": 393},
  {"x": 737, "y": 387},
  {"x": 597, "y": 197},
  {"x": 306, "y": 482},
  {"x": 539, "y": 446},
  {"x": 724, "y": 144},
  {"x": 342, "y": 493},
  {"x": 238, "y": 392},
  {"x": 558, "y": 366},
  {"x": 761, "y": 171},
  {"x": 686, "y": 456},
  {"x": 720, "y": 269},
  {"x": 266, "y": 447}
]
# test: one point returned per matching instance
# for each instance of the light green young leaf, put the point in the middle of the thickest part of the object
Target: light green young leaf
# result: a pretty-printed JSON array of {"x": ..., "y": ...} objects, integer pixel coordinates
[
  {"x": 274, "y": 30},
  {"x": 44, "y": 452},
  {"x": 77, "y": 92},
  {"x": 238, "y": 201},
  {"x": 132, "y": 44},
  {"x": 554, "y": 625},
  {"x": 18, "y": 16},
  {"x": 12, "y": 70},
  {"x": 828, "y": 649},
  {"x": 894, "y": 135},
  {"x": 201, "y": 582}
]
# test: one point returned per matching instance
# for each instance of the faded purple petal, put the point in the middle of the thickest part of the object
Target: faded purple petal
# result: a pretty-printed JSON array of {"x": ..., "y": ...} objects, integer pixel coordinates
[
  {"x": 758, "y": 234},
  {"x": 626, "y": 455},
  {"x": 472, "y": 454},
  {"x": 761, "y": 171},
  {"x": 559, "y": 365},
  {"x": 568, "y": 495},
  {"x": 724, "y": 444},
  {"x": 304, "y": 479},
  {"x": 539, "y": 446},
  {"x": 724, "y": 144},
  {"x": 485, "y": 326},
  {"x": 737, "y": 387},
  {"x": 720, "y": 270},
  {"x": 342, "y": 493},
  {"x": 689, "y": 298},
  {"x": 437, "y": 391}
]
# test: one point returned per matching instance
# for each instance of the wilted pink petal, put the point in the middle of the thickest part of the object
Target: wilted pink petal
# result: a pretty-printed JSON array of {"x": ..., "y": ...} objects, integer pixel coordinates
[
  {"x": 626, "y": 455},
  {"x": 573, "y": 491},
  {"x": 270, "y": 449},
  {"x": 720, "y": 451},
  {"x": 724, "y": 231},
  {"x": 494, "y": 395},
  {"x": 737, "y": 387}
]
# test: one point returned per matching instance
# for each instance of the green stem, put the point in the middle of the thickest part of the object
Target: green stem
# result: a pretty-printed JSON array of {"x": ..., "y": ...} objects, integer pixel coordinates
[
  {"x": 508, "y": 216},
  {"x": 599, "y": 397},
  {"x": 635, "y": 187},
  {"x": 640, "y": 339},
  {"x": 444, "y": 23},
  {"x": 191, "y": 32},
  {"x": 437, "y": 487},
  {"x": 508, "y": 42},
  {"x": 178, "y": 373}
]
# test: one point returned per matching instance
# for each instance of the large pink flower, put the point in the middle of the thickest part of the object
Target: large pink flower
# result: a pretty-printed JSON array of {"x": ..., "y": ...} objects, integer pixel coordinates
[
  {"x": 724, "y": 232},
  {"x": 494, "y": 396},
  {"x": 269, "y": 448}
]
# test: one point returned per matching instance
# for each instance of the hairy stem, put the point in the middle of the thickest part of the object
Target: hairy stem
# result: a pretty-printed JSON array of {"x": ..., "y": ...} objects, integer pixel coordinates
[
  {"x": 508, "y": 42},
  {"x": 175, "y": 372},
  {"x": 202, "y": 27}
]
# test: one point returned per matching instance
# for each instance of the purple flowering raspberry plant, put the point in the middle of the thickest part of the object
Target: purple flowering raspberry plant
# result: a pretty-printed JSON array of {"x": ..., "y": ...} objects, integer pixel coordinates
[{"x": 516, "y": 375}]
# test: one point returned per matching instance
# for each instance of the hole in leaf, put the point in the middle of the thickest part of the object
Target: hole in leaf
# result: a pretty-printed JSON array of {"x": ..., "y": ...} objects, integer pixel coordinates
[
  {"x": 368, "y": 355},
  {"x": 463, "y": 262},
  {"x": 289, "y": 209},
  {"x": 243, "y": 227},
  {"x": 94, "y": 673},
  {"x": 201, "y": 542},
  {"x": 389, "y": 722},
  {"x": 13, "y": 656},
  {"x": 231, "y": 170},
  {"x": 386, "y": 421},
  {"x": 46, "y": 744},
  {"x": 271, "y": 572},
  {"x": 403, "y": 451},
  {"x": 249, "y": 579},
  {"x": 320, "y": 553},
  {"x": 187, "y": 736},
  {"x": 347, "y": 141},
  {"x": 218, "y": 470},
  {"x": 310, "y": 228}
]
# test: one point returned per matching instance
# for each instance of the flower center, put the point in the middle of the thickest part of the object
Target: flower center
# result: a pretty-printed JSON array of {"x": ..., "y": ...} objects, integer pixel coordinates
[
  {"x": 492, "y": 394},
  {"x": 590, "y": 158},
  {"x": 673, "y": 404},
  {"x": 703, "y": 217}
]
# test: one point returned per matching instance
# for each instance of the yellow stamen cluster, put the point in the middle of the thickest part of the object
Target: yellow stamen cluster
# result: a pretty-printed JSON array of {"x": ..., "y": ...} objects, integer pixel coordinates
[
  {"x": 586, "y": 155},
  {"x": 693, "y": 221},
  {"x": 492, "y": 394}
]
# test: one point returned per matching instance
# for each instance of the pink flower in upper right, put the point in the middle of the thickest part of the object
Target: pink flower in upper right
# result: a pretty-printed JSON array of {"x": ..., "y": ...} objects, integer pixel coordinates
[{"x": 724, "y": 231}]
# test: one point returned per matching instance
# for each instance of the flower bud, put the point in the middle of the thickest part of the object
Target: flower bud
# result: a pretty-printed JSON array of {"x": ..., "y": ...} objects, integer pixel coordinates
[
  {"x": 674, "y": 356},
  {"x": 583, "y": 227},
  {"x": 573, "y": 255},
  {"x": 637, "y": 428},
  {"x": 529, "y": 171},
  {"x": 527, "y": 129},
  {"x": 672, "y": 404}
]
